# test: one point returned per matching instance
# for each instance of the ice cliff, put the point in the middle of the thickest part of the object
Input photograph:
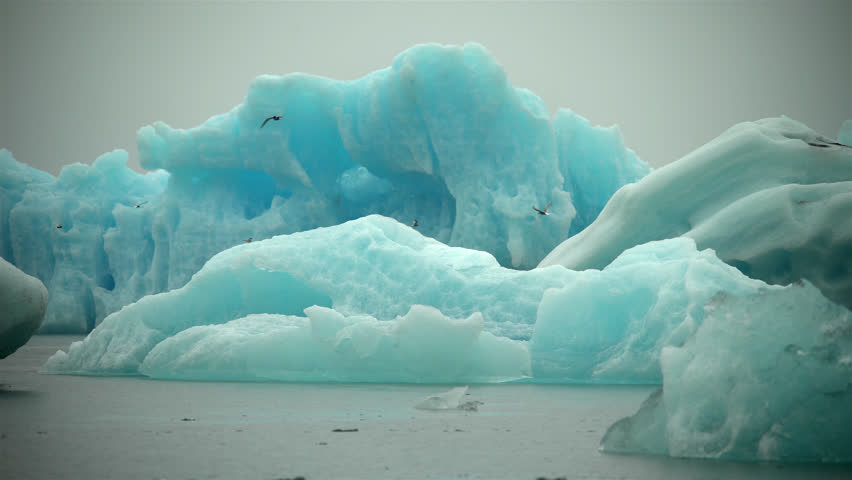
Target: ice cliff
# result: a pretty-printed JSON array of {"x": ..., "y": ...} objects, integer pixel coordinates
[{"x": 441, "y": 136}]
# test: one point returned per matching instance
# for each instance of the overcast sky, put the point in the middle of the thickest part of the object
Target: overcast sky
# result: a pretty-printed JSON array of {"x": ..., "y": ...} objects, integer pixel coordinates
[{"x": 79, "y": 78}]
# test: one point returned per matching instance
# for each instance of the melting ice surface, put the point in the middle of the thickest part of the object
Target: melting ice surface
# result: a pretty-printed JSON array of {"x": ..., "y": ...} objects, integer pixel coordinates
[{"x": 441, "y": 136}]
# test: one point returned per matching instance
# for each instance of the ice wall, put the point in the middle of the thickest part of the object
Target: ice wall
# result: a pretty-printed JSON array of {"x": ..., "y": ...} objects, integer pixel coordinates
[
  {"x": 765, "y": 377},
  {"x": 441, "y": 136},
  {"x": 81, "y": 235},
  {"x": 364, "y": 300},
  {"x": 771, "y": 197}
]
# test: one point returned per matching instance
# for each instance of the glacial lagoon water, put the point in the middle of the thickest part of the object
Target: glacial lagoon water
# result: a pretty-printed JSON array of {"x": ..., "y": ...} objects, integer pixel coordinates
[{"x": 59, "y": 426}]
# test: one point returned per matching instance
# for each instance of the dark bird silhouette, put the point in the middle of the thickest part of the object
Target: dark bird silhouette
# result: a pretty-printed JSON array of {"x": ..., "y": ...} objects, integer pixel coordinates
[
  {"x": 274, "y": 117},
  {"x": 825, "y": 142},
  {"x": 140, "y": 204},
  {"x": 543, "y": 212},
  {"x": 248, "y": 240},
  {"x": 59, "y": 226},
  {"x": 415, "y": 224}
]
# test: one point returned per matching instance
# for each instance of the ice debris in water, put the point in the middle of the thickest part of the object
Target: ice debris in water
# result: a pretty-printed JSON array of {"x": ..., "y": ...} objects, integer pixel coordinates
[
  {"x": 253, "y": 313},
  {"x": 443, "y": 401}
]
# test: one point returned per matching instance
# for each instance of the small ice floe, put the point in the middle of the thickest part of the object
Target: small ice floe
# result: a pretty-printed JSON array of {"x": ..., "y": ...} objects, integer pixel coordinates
[{"x": 448, "y": 401}]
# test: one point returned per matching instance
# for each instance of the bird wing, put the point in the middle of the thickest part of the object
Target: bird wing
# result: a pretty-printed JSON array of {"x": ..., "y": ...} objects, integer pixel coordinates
[
  {"x": 548, "y": 205},
  {"x": 264, "y": 122}
]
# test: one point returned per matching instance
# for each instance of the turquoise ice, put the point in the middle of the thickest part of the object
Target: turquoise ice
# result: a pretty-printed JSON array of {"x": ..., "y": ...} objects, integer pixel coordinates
[
  {"x": 766, "y": 377},
  {"x": 289, "y": 253},
  {"x": 440, "y": 137},
  {"x": 764, "y": 195},
  {"x": 353, "y": 301}
]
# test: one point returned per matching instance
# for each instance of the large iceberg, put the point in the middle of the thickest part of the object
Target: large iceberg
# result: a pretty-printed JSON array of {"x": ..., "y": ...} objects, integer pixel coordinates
[
  {"x": 353, "y": 301},
  {"x": 766, "y": 377},
  {"x": 771, "y": 197},
  {"x": 23, "y": 300},
  {"x": 404, "y": 142}
]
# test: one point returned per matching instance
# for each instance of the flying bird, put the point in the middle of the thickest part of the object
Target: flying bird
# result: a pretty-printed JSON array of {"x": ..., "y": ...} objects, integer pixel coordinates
[
  {"x": 543, "y": 212},
  {"x": 140, "y": 204},
  {"x": 59, "y": 226},
  {"x": 274, "y": 117},
  {"x": 415, "y": 224},
  {"x": 825, "y": 142}
]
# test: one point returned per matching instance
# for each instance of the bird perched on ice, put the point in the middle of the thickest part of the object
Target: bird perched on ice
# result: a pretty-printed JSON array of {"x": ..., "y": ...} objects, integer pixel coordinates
[
  {"x": 248, "y": 240},
  {"x": 543, "y": 212},
  {"x": 274, "y": 117},
  {"x": 415, "y": 224}
]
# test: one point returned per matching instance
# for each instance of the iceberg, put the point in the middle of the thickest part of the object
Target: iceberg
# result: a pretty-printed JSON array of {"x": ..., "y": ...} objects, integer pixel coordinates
[
  {"x": 448, "y": 400},
  {"x": 384, "y": 229},
  {"x": 609, "y": 326},
  {"x": 371, "y": 299},
  {"x": 23, "y": 300},
  {"x": 81, "y": 235},
  {"x": 422, "y": 346},
  {"x": 370, "y": 266},
  {"x": 770, "y": 197},
  {"x": 765, "y": 377},
  {"x": 404, "y": 142}
]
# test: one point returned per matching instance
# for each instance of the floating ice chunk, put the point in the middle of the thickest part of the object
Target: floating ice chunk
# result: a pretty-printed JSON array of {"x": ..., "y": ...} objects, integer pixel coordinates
[
  {"x": 590, "y": 326},
  {"x": 443, "y": 401},
  {"x": 373, "y": 265},
  {"x": 765, "y": 377},
  {"x": 422, "y": 346},
  {"x": 609, "y": 326},
  {"x": 760, "y": 195},
  {"x": 23, "y": 301}
]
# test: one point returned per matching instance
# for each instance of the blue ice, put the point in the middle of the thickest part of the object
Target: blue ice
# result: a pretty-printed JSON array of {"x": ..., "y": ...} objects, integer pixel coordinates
[
  {"x": 441, "y": 136},
  {"x": 725, "y": 275}
]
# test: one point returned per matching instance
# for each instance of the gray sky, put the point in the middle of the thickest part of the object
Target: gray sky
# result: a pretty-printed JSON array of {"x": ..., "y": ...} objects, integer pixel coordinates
[{"x": 80, "y": 77}]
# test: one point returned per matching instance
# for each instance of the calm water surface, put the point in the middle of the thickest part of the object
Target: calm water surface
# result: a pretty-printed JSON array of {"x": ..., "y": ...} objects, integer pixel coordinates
[{"x": 54, "y": 427}]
